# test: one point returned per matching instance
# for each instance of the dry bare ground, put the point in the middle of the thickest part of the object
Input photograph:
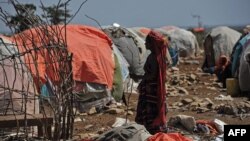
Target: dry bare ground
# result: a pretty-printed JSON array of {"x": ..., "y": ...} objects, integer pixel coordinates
[{"x": 199, "y": 101}]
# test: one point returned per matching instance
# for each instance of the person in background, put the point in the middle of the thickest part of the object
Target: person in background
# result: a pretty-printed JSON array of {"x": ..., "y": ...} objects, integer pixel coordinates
[
  {"x": 151, "y": 107},
  {"x": 223, "y": 70},
  {"x": 209, "y": 63},
  {"x": 173, "y": 53}
]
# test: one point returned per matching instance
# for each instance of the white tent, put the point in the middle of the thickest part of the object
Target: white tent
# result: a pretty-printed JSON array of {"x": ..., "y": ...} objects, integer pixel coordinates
[
  {"x": 219, "y": 41},
  {"x": 182, "y": 40}
]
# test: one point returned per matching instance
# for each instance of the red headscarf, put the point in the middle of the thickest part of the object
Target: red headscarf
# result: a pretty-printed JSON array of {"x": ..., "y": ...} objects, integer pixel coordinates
[{"x": 158, "y": 46}]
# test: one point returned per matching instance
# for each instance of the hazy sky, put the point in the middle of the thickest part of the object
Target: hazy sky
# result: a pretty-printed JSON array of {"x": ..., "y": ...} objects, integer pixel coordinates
[{"x": 155, "y": 13}]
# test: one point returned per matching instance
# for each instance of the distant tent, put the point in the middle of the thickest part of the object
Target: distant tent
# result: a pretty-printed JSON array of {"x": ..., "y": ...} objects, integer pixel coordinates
[
  {"x": 182, "y": 40},
  {"x": 170, "y": 27},
  {"x": 219, "y": 41},
  {"x": 198, "y": 29},
  {"x": 141, "y": 31},
  {"x": 129, "y": 46},
  {"x": 18, "y": 94}
]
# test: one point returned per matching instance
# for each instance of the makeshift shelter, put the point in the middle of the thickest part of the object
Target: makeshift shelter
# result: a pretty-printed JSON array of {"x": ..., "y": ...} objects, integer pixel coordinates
[
  {"x": 92, "y": 62},
  {"x": 140, "y": 43},
  {"x": 121, "y": 74},
  {"x": 141, "y": 31},
  {"x": 182, "y": 40},
  {"x": 122, "y": 62},
  {"x": 128, "y": 132},
  {"x": 129, "y": 46},
  {"x": 242, "y": 54},
  {"x": 18, "y": 94},
  {"x": 219, "y": 41}
]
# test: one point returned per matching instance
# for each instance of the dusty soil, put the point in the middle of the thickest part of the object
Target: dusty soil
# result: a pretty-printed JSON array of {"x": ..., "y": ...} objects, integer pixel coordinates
[{"x": 100, "y": 122}]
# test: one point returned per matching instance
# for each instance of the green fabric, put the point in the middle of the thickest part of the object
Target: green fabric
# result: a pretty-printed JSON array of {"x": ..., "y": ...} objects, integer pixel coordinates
[{"x": 117, "y": 90}]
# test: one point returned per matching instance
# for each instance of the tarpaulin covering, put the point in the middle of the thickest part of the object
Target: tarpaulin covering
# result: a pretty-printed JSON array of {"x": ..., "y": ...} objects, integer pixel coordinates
[
  {"x": 123, "y": 63},
  {"x": 244, "y": 68},
  {"x": 91, "y": 48},
  {"x": 129, "y": 132},
  {"x": 129, "y": 47},
  {"x": 236, "y": 54},
  {"x": 182, "y": 40},
  {"x": 140, "y": 44}
]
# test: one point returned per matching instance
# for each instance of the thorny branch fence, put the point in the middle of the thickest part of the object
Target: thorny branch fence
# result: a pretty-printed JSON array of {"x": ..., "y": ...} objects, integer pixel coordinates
[{"x": 21, "y": 79}]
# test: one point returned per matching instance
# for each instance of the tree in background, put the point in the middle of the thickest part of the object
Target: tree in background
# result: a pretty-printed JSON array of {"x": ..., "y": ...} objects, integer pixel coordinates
[
  {"x": 25, "y": 17},
  {"x": 56, "y": 14}
]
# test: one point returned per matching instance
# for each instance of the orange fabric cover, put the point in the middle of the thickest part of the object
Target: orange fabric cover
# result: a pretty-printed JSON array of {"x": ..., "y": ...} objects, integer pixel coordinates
[
  {"x": 91, "y": 48},
  {"x": 5, "y": 37},
  {"x": 168, "y": 137},
  {"x": 198, "y": 29},
  {"x": 145, "y": 31}
]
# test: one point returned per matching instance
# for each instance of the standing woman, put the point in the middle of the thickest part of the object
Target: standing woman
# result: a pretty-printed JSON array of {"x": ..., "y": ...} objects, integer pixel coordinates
[{"x": 151, "y": 108}]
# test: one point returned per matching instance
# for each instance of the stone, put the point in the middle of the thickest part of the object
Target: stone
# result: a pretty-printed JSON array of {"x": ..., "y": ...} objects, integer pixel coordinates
[
  {"x": 190, "y": 84},
  {"x": 174, "y": 69},
  {"x": 130, "y": 112},
  {"x": 190, "y": 62},
  {"x": 212, "y": 88},
  {"x": 182, "y": 90},
  {"x": 87, "y": 127},
  {"x": 115, "y": 111},
  {"x": 202, "y": 109},
  {"x": 196, "y": 99},
  {"x": 101, "y": 130},
  {"x": 224, "y": 98},
  {"x": 208, "y": 100},
  {"x": 77, "y": 119},
  {"x": 192, "y": 77},
  {"x": 83, "y": 114},
  {"x": 120, "y": 122},
  {"x": 187, "y": 101},
  {"x": 194, "y": 105},
  {"x": 187, "y": 122},
  {"x": 92, "y": 111}
]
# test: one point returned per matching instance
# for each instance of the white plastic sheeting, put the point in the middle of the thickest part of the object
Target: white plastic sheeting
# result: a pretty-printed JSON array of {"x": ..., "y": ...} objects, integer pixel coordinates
[
  {"x": 16, "y": 82},
  {"x": 224, "y": 39}
]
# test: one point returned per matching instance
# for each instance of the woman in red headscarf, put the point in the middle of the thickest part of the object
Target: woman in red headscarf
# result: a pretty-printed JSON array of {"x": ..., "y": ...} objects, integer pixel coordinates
[{"x": 151, "y": 108}]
